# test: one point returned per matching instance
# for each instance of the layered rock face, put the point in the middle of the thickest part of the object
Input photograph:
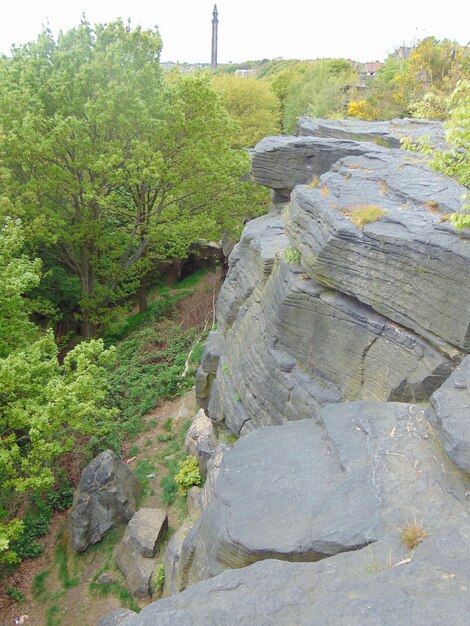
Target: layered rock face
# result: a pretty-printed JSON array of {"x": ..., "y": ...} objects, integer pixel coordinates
[
  {"x": 342, "y": 502},
  {"x": 318, "y": 309}
]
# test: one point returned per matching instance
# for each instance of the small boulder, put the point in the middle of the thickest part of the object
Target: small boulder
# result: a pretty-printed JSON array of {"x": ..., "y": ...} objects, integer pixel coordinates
[
  {"x": 107, "y": 495},
  {"x": 134, "y": 554},
  {"x": 146, "y": 529}
]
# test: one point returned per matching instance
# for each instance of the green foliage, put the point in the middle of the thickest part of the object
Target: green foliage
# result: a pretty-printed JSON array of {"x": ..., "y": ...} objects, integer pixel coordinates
[
  {"x": 317, "y": 90},
  {"x": 112, "y": 166},
  {"x": 149, "y": 367},
  {"x": 460, "y": 220},
  {"x": 454, "y": 162},
  {"x": 252, "y": 104},
  {"x": 170, "y": 489},
  {"x": 43, "y": 405},
  {"x": 292, "y": 255},
  {"x": 142, "y": 471},
  {"x": 39, "y": 590},
  {"x": 15, "y": 594},
  {"x": 160, "y": 577},
  {"x": 52, "y": 619},
  {"x": 419, "y": 85},
  {"x": 62, "y": 561},
  {"x": 188, "y": 474}
]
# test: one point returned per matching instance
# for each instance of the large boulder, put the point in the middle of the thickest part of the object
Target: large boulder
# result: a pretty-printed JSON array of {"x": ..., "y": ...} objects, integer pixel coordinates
[
  {"x": 377, "y": 585},
  {"x": 450, "y": 415},
  {"x": 107, "y": 495},
  {"x": 406, "y": 262},
  {"x": 350, "y": 478}
]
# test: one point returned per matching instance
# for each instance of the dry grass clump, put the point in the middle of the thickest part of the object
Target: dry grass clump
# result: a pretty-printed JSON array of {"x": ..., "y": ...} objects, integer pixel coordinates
[
  {"x": 364, "y": 213},
  {"x": 413, "y": 534}
]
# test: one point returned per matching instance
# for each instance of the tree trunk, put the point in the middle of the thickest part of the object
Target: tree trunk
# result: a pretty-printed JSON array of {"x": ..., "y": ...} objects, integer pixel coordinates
[{"x": 87, "y": 280}]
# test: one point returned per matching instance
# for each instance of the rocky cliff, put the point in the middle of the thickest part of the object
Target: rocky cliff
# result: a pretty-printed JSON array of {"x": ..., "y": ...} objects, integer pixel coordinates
[{"x": 345, "y": 311}]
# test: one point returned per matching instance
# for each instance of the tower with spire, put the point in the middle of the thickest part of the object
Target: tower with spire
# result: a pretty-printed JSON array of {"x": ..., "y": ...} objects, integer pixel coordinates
[{"x": 215, "y": 25}]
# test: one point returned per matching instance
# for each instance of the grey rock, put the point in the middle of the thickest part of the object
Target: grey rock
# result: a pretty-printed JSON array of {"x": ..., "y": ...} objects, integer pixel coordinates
[
  {"x": 173, "y": 571},
  {"x": 250, "y": 266},
  {"x": 305, "y": 345},
  {"x": 449, "y": 414},
  {"x": 281, "y": 163},
  {"x": 118, "y": 616},
  {"x": 137, "y": 570},
  {"x": 389, "y": 133},
  {"x": 407, "y": 265},
  {"x": 201, "y": 440},
  {"x": 193, "y": 502},
  {"x": 105, "y": 579},
  {"x": 146, "y": 528},
  {"x": 335, "y": 484},
  {"x": 346, "y": 590},
  {"x": 106, "y": 496}
]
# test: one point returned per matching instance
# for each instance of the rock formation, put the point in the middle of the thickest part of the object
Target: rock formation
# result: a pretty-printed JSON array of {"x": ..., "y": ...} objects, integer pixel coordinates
[
  {"x": 343, "y": 502},
  {"x": 106, "y": 496},
  {"x": 135, "y": 553}
]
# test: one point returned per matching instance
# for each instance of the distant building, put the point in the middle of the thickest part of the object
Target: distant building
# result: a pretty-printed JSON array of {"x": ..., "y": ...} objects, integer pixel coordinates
[
  {"x": 371, "y": 68},
  {"x": 215, "y": 26},
  {"x": 244, "y": 72}
]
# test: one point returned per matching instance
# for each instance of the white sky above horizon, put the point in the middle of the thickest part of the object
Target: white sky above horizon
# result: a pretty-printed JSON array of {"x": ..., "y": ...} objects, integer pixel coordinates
[{"x": 253, "y": 29}]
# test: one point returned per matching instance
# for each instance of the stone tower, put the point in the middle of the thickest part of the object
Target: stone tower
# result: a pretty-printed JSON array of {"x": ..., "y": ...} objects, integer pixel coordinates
[{"x": 215, "y": 24}]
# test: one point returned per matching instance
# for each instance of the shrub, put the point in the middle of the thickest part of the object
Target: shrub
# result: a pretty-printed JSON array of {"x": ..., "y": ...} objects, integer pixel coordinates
[
  {"x": 291, "y": 255},
  {"x": 188, "y": 474}
]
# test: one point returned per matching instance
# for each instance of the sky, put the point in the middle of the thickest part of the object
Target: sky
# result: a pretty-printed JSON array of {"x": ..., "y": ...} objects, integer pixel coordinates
[{"x": 362, "y": 30}]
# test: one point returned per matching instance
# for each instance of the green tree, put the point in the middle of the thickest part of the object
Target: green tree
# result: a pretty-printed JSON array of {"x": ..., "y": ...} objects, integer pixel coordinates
[
  {"x": 109, "y": 164},
  {"x": 318, "y": 89},
  {"x": 252, "y": 104},
  {"x": 43, "y": 405}
]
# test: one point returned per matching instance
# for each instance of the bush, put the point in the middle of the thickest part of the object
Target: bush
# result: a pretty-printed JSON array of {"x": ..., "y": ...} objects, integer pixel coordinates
[{"x": 188, "y": 474}]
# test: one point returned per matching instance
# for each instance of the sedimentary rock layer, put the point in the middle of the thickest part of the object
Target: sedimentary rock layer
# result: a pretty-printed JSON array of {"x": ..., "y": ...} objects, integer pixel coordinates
[{"x": 405, "y": 262}]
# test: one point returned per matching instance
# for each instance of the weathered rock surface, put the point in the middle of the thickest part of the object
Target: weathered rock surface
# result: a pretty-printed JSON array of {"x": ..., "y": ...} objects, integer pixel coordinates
[
  {"x": 305, "y": 345},
  {"x": 134, "y": 554},
  {"x": 106, "y": 496},
  {"x": 281, "y": 163},
  {"x": 338, "y": 483},
  {"x": 201, "y": 440},
  {"x": 207, "y": 370},
  {"x": 364, "y": 588},
  {"x": 387, "y": 134},
  {"x": 118, "y": 616},
  {"x": 174, "y": 571},
  {"x": 146, "y": 529},
  {"x": 450, "y": 415},
  {"x": 408, "y": 265},
  {"x": 250, "y": 266}
]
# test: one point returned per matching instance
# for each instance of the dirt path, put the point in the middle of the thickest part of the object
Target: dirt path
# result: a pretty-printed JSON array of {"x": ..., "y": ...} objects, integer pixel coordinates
[{"x": 78, "y": 605}]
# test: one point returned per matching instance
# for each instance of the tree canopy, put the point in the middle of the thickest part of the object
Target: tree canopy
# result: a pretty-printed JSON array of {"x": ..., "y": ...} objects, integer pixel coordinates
[
  {"x": 43, "y": 405},
  {"x": 112, "y": 166}
]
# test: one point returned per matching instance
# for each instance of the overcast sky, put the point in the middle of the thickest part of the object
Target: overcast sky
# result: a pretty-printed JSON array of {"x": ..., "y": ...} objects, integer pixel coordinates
[{"x": 363, "y": 30}]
